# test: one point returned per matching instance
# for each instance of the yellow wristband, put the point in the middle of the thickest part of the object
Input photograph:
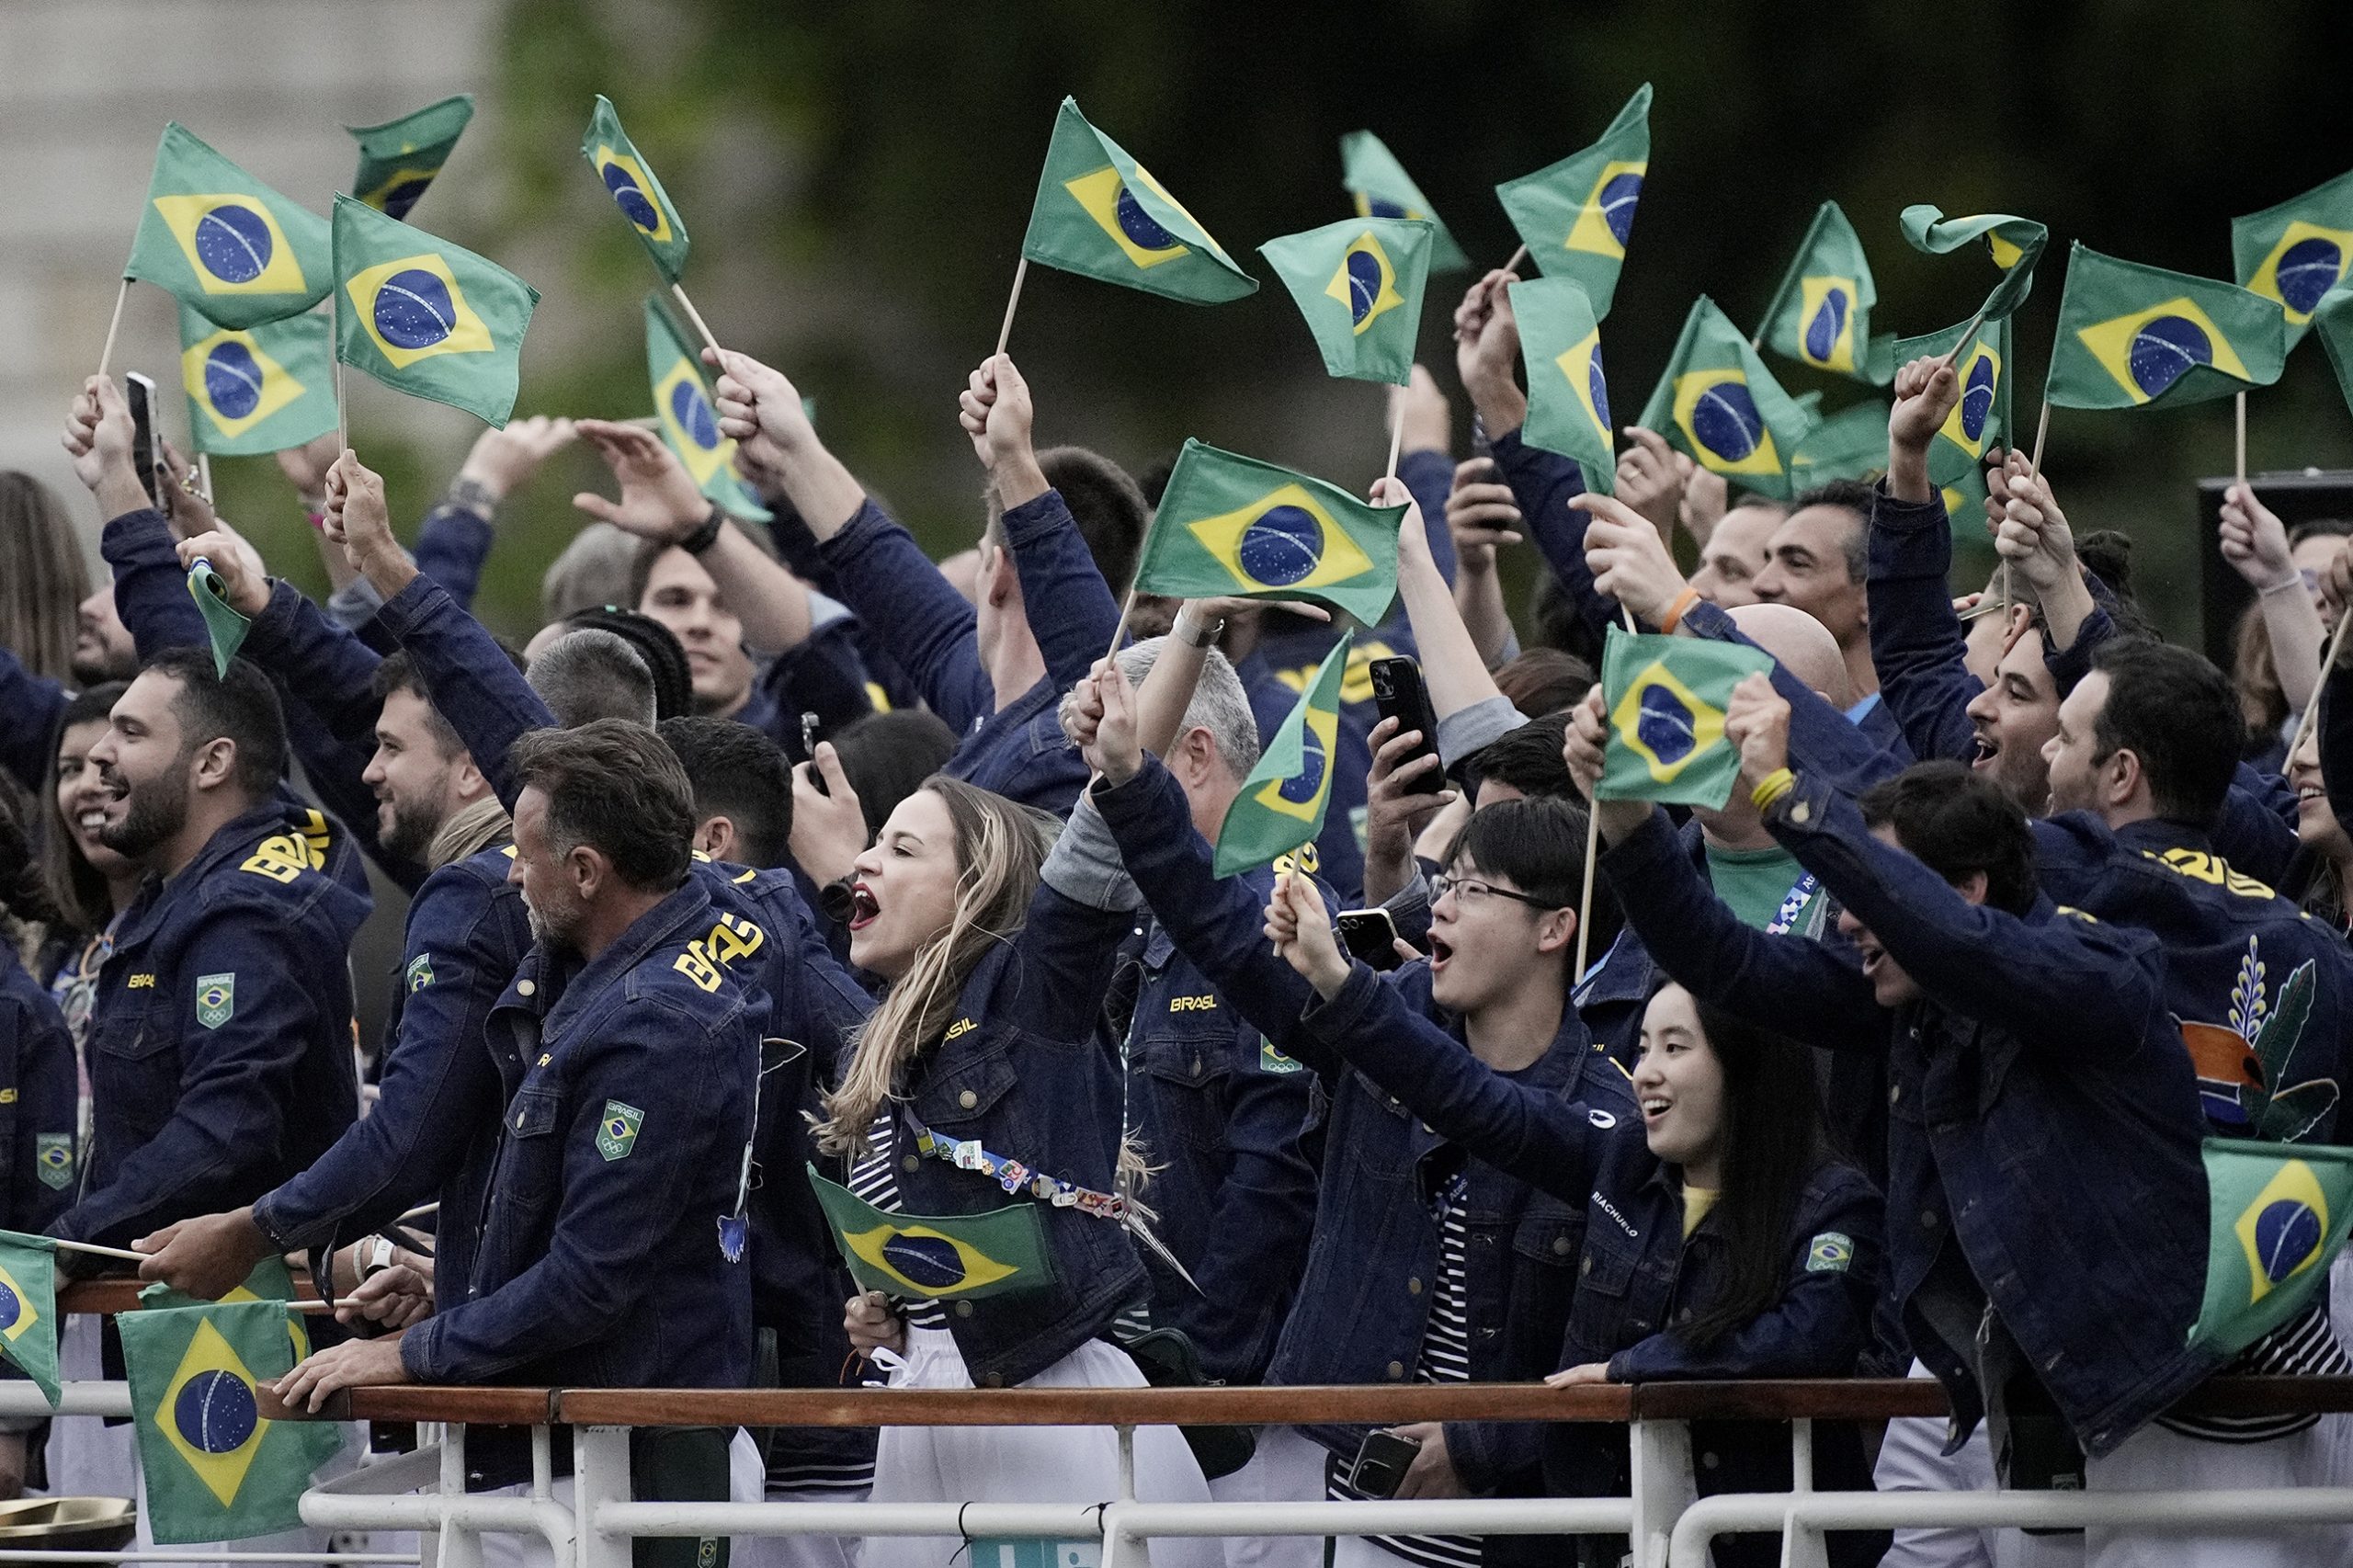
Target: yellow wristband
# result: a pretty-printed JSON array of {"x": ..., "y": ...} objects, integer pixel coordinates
[
  {"x": 1775, "y": 784},
  {"x": 1675, "y": 611}
]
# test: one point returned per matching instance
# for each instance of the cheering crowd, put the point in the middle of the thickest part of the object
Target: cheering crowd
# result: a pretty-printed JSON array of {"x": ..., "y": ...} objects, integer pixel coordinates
[{"x": 794, "y": 907}]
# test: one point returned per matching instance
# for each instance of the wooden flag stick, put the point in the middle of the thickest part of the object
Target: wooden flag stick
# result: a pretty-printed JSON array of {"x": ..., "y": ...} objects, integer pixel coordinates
[
  {"x": 694, "y": 315},
  {"x": 1592, "y": 853},
  {"x": 1121, "y": 631},
  {"x": 1396, "y": 435},
  {"x": 2312, "y": 703},
  {"x": 1516, "y": 257},
  {"x": 334, "y": 328},
  {"x": 1004, "y": 332},
  {"x": 106, "y": 354},
  {"x": 204, "y": 475},
  {"x": 420, "y": 1211},
  {"x": 324, "y": 1306},
  {"x": 1967, "y": 333},
  {"x": 97, "y": 1251},
  {"x": 2042, "y": 429},
  {"x": 2240, "y": 402}
]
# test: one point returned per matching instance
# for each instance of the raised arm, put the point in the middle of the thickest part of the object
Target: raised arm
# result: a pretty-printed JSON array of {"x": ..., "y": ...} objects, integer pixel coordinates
[{"x": 2256, "y": 544}]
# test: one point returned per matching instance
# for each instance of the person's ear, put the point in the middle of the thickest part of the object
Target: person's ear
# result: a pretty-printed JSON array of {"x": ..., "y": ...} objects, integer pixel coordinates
[
  {"x": 211, "y": 765},
  {"x": 2124, "y": 775},
  {"x": 588, "y": 869},
  {"x": 715, "y": 836},
  {"x": 1000, "y": 581},
  {"x": 1555, "y": 929},
  {"x": 468, "y": 784},
  {"x": 1972, "y": 887}
]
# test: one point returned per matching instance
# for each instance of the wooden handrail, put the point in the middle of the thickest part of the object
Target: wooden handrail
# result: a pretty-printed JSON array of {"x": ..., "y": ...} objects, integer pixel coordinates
[{"x": 114, "y": 1293}]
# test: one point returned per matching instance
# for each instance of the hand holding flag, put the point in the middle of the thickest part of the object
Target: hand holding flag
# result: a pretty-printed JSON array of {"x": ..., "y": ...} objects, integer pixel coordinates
[
  {"x": 1301, "y": 930},
  {"x": 357, "y": 519},
  {"x": 1628, "y": 559},
  {"x": 1926, "y": 391},
  {"x": 1486, "y": 352},
  {"x": 1756, "y": 723},
  {"x": 996, "y": 414},
  {"x": 1103, "y": 723}
]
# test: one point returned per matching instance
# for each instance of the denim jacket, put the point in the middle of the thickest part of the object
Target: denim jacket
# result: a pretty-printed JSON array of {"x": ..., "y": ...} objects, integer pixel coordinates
[
  {"x": 600, "y": 1254},
  {"x": 39, "y": 1104},
  {"x": 1364, "y": 1302},
  {"x": 434, "y": 1130},
  {"x": 220, "y": 1043},
  {"x": 2043, "y": 1140}
]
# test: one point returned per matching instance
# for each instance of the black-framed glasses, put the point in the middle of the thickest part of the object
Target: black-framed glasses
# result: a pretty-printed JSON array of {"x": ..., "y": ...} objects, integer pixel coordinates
[{"x": 1469, "y": 889}]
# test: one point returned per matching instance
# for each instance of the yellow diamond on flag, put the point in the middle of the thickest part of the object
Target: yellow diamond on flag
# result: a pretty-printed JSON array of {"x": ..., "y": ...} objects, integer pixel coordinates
[
  {"x": 211, "y": 1416},
  {"x": 1283, "y": 540}
]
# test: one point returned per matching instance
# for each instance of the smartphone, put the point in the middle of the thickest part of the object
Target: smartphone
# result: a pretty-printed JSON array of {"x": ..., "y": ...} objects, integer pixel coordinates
[
  {"x": 1382, "y": 1463},
  {"x": 146, "y": 448},
  {"x": 1398, "y": 693},
  {"x": 809, "y": 752},
  {"x": 1369, "y": 935}
]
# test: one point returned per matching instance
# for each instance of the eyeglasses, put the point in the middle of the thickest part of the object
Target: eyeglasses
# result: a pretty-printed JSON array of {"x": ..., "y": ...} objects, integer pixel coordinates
[{"x": 1468, "y": 892}]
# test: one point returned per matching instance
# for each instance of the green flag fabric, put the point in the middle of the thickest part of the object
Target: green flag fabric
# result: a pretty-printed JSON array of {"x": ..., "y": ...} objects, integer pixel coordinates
[
  {"x": 2130, "y": 336},
  {"x": 689, "y": 425},
  {"x": 425, "y": 317},
  {"x": 1359, "y": 282},
  {"x": 2334, "y": 318},
  {"x": 269, "y": 1281},
  {"x": 2015, "y": 244},
  {"x": 1568, "y": 397},
  {"x": 2295, "y": 253},
  {"x": 1665, "y": 698},
  {"x": 2278, "y": 1215},
  {"x": 1100, "y": 214},
  {"x": 1281, "y": 804},
  {"x": 1821, "y": 315},
  {"x": 216, "y": 1468},
  {"x": 258, "y": 390},
  {"x": 1981, "y": 419},
  {"x": 222, "y": 626},
  {"x": 399, "y": 158},
  {"x": 1370, "y": 173},
  {"x": 1720, "y": 405},
  {"x": 629, "y": 180},
  {"x": 1575, "y": 216},
  {"x": 1229, "y": 525},
  {"x": 968, "y": 1257},
  {"x": 219, "y": 239},
  {"x": 28, "y": 1319},
  {"x": 1850, "y": 443}
]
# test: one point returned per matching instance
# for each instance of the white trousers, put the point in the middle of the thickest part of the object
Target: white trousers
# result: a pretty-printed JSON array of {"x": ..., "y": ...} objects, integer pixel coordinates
[
  {"x": 1912, "y": 1459},
  {"x": 1023, "y": 1464},
  {"x": 1286, "y": 1466},
  {"x": 746, "y": 1478},
  {"x": 2155, "y": 1459},
  {"x": 800, "y": 1550}
]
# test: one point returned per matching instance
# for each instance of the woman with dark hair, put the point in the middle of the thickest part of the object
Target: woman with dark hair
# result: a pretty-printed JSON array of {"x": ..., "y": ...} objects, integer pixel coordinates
[
  {"x": 47, "y": 577},
  {"x": 89, "y": 885}
]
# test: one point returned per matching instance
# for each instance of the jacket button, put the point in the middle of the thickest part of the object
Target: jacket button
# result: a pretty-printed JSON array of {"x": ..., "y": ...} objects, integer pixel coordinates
[
  {"x": 1930, "y": 1219},
  {"x": 913, "y": 1163},
  {"x": 963, "y": 1309},
  {"x": 1413, "y": 1287},
  {"x": 1197, "y": 1066},
  {"x": 1895, "y": 1093},
  {"x": 994, "y": 1381},
  {"x": 968, "y": 1100},
  {"x": 1396, "y": 1370},
  {"x": 1710, "y": 1461},
  {"x": 524, "y": 988},
  {"x": 1561, "y": 1247},
  {"x": 1683, "y": 1316},
  {"x": 1801, "y": 813}
]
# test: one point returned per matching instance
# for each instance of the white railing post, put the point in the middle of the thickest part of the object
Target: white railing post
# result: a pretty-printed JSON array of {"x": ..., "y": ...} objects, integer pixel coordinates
[
  {"x": 1662, "y": 1486},
  {"x": 599, "y": 1475},
  {"x": 458, "y": 1547},
  {"x": 1801, "y": 1545}
]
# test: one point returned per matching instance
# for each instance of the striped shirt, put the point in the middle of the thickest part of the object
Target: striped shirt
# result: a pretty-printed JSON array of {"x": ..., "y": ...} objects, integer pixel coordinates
[
  {"x": 2304, "y": 1346},
  {"x": 873, "y": 1178},
  {"x": 1445, "y": 1358}
]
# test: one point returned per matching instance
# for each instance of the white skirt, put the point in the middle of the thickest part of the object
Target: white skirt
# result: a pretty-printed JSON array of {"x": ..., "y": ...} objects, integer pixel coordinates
[{"x": 1025, "y": 1464}]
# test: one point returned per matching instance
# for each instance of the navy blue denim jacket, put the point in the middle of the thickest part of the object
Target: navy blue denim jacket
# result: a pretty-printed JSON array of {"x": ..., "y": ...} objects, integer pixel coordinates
[
  {"x": 220, "y": 1043},
  {"x": 2042, "y": 1116},
  {"x": 38, "y": 1110},
  {"x": 1365, "y": 1300},
  {"x": 599, "y": 1258},
  {"x": 434, "y": 1130}
]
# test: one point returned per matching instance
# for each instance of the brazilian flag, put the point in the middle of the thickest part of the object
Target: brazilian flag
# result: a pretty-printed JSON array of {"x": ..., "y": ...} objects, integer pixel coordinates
[
  {"x": 270, "y": 1280},
  {"x": 1359, "y": 283},
  {"x": 1665, "y": 698},
  {"x": 2278, "y": 1214},
  {"x": 1821, "y": 315},
  {"x": 1577, "y": 215},
  {"x": 225, "y": 625},
  {"x": 2130, "y": 336},
  {"x": 1100, "y": 214},
  {"x": 1850, "y": 443},
  {"x": 1981, "y": 419},
  {"x": 1568, "y": 398},
  {"x": 219, "y": 239},
  {"x": 2295, "y": 253},
  {"x": 425, "y": 317},
  {"x": 2334, "y": 317},
  {"x": 258, "y": 390},
  {"x": 399, "y": 158},
  {"x": 629, "y": 180},
  {"x": 967, "y": 1256},
  {"x": 28, "y": 1309},
  {"x": 1720, "y": 405},
  {"x": 1281, "y": 804},
  {"x": 216, "y": 1468},
  {"x": 2015, "y": 244},
  {"x": 689, "y": 425},
  {"x": 1371, "y": 175},
  {"x": 1232, "y": 525}
]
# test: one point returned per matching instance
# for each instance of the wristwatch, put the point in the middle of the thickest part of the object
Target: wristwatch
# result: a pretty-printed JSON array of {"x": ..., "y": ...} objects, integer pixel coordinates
[
  {"x": 374, "y": 1256},
  {"x": 1195, "y": 633},
  {"x": 705, "y": 535}
]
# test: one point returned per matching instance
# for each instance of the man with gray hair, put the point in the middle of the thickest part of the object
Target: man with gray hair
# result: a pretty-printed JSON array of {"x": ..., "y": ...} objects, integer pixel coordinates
[{"x": 592, "y": 674}]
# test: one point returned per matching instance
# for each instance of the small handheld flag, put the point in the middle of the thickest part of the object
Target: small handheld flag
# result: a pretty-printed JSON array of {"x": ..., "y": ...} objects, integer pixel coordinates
[
  {"x": 2296, "y": 252},
  {"x": 2130, "y": 336},
  {"x": 426, "y": 317},
  {"x": 1720, "y": 405},
  {"x": 2278, "y": 1214},
  {"x": 2015, "y": 244},
  {"x": 1665, "y": 697},
  {"x": 1578, "y": 215},
  {"x": 399, "y": 158},
  {"x": 689, "y": 423},
  {"x": 1821, "y": 315},
  {"x": 628, "y": 180},
  {"x": 28, "y": 1310},
  {"x": 1568, "y": 398},
  {"x": 261, "y": 390},
  {"x": 216, "y": 1468},
  {"x": 1100, "y": 214},
  {"x": 969, "y": 1256},
  {"x": 1981, "y": 419},
  {"x": 1232, "y": 525},
  {"x": 1281, "y": 804},
  {"x": 1359, "y": 283},
  {"x": 219, "y": 239},
  {"x": 223, "y": 626},
  {"x": 1371, "y": 174}
]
